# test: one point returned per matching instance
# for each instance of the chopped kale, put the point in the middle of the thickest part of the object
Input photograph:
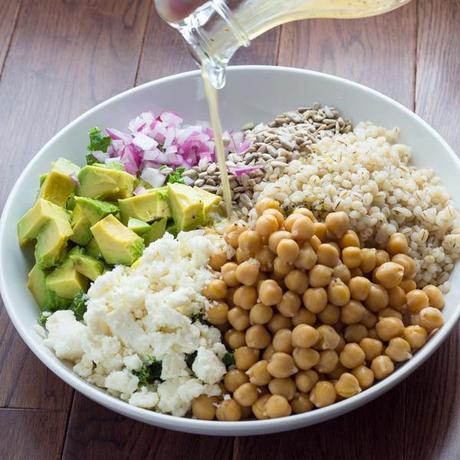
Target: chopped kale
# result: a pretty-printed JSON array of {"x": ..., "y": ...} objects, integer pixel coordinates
[
  {"x": 200, "y": 317},
  {"x": 44, "y": 315},
  {"x": 176, "y": 176},
  {"x": 78, "y": 305},
  {"x": 190, "y": 358},
  {"x": 98, "y": 142},
  {"x": 228, "y": 359},
  {"x": 149, "y": 372},
  {"x": 90, "y": 159}
]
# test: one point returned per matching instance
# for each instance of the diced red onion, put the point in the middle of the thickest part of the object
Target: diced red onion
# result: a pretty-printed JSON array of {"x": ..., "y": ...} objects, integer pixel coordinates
[
  {"x": 139, "y": 190},
  {"x": 74, "y": 178},
  {"x": 153, "y": 177},
  {"x": 144, "y": 142},
  {"x": 240, "y": 170}
]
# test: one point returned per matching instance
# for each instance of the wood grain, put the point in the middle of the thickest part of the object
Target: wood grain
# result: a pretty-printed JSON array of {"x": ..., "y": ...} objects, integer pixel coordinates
[
  {"x": 9, "y": 11},
  {"x": 95, "y": 432},
  {"x": 165, "y": 52},
  {"x": 31, "y": 434},
  {"x": 378, "y": 52}
]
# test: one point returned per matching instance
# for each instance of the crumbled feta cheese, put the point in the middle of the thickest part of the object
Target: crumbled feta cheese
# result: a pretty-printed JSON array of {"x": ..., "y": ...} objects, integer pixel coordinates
[
  {"x": 122, "y": 381},
  {"x": 132, "y": 362},
  {"x": 174, "y": 366},
  {"x": 144, "y": 398},
  {"x": 208, "y": 367}
]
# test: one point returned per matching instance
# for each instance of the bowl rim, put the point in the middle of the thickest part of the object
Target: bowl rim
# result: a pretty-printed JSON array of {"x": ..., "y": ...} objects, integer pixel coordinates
[{"x": 190, "y": 425}]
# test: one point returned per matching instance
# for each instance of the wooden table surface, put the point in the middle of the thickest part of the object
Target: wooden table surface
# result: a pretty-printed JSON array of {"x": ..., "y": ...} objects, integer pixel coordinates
[{"x": 58, "y": 58}]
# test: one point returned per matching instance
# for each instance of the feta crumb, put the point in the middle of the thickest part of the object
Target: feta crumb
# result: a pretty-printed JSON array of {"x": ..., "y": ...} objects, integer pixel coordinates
[
  {"x": 144, "y": 398},
  {"x": 132, "y": 362},
  {"x": 208, "y": 367},
  {"x": 122, "y": 381}
]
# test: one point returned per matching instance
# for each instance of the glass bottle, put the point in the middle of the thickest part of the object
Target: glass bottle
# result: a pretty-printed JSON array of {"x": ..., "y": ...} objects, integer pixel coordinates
[{"x": 215, "y": 30}]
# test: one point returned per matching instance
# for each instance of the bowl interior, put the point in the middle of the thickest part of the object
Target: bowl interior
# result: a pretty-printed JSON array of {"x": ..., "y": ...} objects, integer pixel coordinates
[{"x": 252, "y": 94}]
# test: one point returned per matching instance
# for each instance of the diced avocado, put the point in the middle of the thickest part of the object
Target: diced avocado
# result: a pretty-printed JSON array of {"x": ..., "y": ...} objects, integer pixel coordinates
[
  {"x": 70, "y": 205},
  {"x": 172, "y": 228},
  {"x": 157, "y": 230},
  {"x": 42, "y": 179},
  {"x": 86, "y": 265},
  {"x": 210, "y": 201},
  {"x": 46, "y": 299},
  {"x": 57, "y": 188},
  {"x": 36, "y": 217},
  {"x": 85, "y": 214},
  {"x": 146, "y": 207},
  {"x": 52, "y": 242},
  {"x": 118, "y": 244},
  {"x": 142, "y": 183},
  {"x": 105, "y": 184},
  {"x": 65, "y": 281},
  {"x": 92, "y": 249},
  {"x": 138, "y": 226},
  {"x": 65, "y": 166},
  {"x": 186, "y": 206}
]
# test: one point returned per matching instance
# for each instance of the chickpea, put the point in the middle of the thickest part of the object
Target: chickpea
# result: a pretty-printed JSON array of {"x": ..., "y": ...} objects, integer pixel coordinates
[
  {"x": 307, "y": 213},
  {"x": 289, "y": 222},
  {"x": 407, "y": 263},
  {"x": 303, "y": 316},
  {"x": 245, "y": 357},
  {"x": 301, "y": 403},
  {"x": 282, "y": 341},
  {"x": 258, "y": 408},
  {"x": 328, "y": 255},
  {"x": 372, "y": 333},
  {"x": 389, "y": 274},
  {"x": 381, "y": 257},
  {"x": 354, "y": 272},
  {"x": 350, "y": 238},
  {"x": 416, "y": 336},
  {"x": 305, "y": 358},
  {"x": 277, "y": 406},
  {"x": 320, "y": 230},
  {"x": 431, "y": 319},
  {"x": 278, "y": 322},
  {"x": 283, "y": 387},
  {"x": 337, "y": 223},
  {"x": 260, "y": 314},
  {"x": 359, "y": 288},
  {"x": 397, "y": 297},
  {"x": 303, "y": 229},
  {"x": 290, "y": 304},
  {"x": 338, "y": 293},
  {"x": 266, "y": 225},
  {"x": 315, "y": 299},
  {"x": 330, "y": 315},
  {"x": 250, "y": 241},
  {"x": 241, "y": 256},
  {"x": 257, "y": 337},
  {"x": 281, "y": 365},
  {"x": 408, "y": 285},
  {"x": 281, "y": 268},
  {"x": 306, "y": 380},
  {"x": 277, "y": 214},
  {"x": 337, "y": 372},
  {"x": 238, "y": 318},
  {"x": 217, "y": 314},
  {"x": 382, "y": 367},
  {"x": 377, "y": 298},
  {"x": 388, "y": 328},
  {"x": 435, "y": 296},
  {"x": 228, "y": 271},
  {"x": 266, "y": 203},
  {"x": 352, "y": 356},
  {"x": 233, "y": 379},
  {"x": 369, "y": 319},
  {"x": 232, "y": 233},
  {"x": 329, "y": 339},
  {"x": 328, "y": 361},
  {"x": 247, "y": 272},
  {"x": 276, "y": 238},
  {"x": 307, "y": 258},
  {"x": 347, "y": 385},
  {"x": 323, "y": 394},
  {"x": 398, "y": 350},
  {"x": 341, "y": 345},
  {"x": 390, "y": 313},
  {"x": 353, "y": 312},
  {"x": 235, "y": 339},
  {"x": 296, "y": 281},
  {"x": 258, "y": 373},
  {"x": 352, "y": 257},
  {"x": 342, "y": 271},
  {"x": 371, "y": 347},
  {"x": 228, "y": 411},
  {"x": 217, "y": 259},
  {"x": 397, "y": 244},
  {"x": 355, "y": 333},
  {"x": 320, "y": 276},
  {"x": 288, "y": 250},
  {"x": 417, "y": 300},
  {"x": 246, "y": 395},
  {"x": 364, "y": 376},
  {"x": 268, "y": 353},
  {"x": 215, "y": 290},
  {"x": 368, "y": 260},
  {"x": 304, "y": 336},
  {"x": 270, "y": 292},
  {"x": 265, "y": 257},
  {"x": 204, "y": 408}
]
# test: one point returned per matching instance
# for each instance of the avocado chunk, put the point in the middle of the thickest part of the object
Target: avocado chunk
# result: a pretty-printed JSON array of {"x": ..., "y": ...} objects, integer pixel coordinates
[
  {"x": 36, "y": 217},
  {"x": 210, "y": 201},
  {"x": 92, "y": 249},
  {"x": 88, "y": 266},
  {"x": 104, "y": 183},
  {"x": 65, "y": 166},
  {"x": 65, "y": 281},
  {"x": 138, "y": 226},
  {"x": 52, "y": 242},
  {"x": 118, "y": 244},
  {"x": 146, "y": 207},
  {"x": 157, "y": 230},
  {"x": 85, "y": 214},
  {"x": 46, "y": 299},
  {"x": 186, "y": 207}
]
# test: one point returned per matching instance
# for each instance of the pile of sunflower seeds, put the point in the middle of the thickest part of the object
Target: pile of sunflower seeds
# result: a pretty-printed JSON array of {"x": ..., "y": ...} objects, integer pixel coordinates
[{"x": 288, "y": 137}]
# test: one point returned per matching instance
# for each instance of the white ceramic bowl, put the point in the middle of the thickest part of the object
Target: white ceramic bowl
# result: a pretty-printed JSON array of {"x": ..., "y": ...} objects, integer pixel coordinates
[{"x": 253, "y": 93}]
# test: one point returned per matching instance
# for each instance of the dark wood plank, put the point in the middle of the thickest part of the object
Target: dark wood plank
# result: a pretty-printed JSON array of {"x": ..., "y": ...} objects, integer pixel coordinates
[
  {"x": 378, "y": 52},
  {"x": 65, "y": 57},
  {"x": 165, "y": 52},
  {"x": 95, "y": 432},
  {"x": 31, "y": 434},
  {"x": 9, "y": 11}
]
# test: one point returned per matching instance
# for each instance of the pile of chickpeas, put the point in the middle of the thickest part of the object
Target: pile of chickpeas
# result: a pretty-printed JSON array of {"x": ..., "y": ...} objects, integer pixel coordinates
[{"x": 312, "y": 318}]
